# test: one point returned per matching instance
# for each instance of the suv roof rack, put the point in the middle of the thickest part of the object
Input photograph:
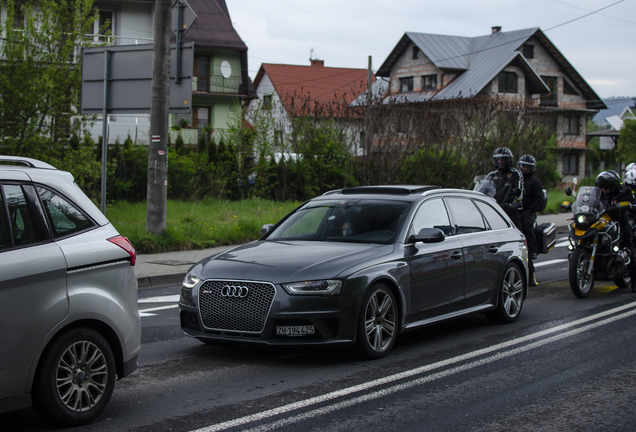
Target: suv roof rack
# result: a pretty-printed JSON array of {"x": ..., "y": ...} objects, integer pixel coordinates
[
  {"x": 388, "y": 190},
  {"x": 33, "y": 163}
]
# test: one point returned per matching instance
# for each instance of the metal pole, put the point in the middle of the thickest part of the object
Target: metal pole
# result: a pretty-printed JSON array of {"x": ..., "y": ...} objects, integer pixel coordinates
[
  {"x": 105, "y": 130},
  {"x": 180, "y": 6}
]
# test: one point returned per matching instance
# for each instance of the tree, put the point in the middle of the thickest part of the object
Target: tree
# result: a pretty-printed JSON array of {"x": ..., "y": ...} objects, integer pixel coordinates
[
  {"x": 40, "y": 77},
  {"x": 627, "y": 141}
]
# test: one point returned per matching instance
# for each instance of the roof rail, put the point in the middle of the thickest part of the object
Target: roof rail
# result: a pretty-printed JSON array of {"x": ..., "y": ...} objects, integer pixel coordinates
[
  {"x": 389, "y": 190},
  {"x": 33, "y": 163}
]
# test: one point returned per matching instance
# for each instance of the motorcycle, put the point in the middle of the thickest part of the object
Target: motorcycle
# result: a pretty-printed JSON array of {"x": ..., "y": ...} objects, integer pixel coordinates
[
  {"x": 545, "y": 233},
  {"x": 595, "y": 248}
]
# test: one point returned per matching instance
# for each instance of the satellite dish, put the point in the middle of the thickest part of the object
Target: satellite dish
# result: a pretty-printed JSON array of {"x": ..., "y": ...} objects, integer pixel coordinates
[{"x": 226, "y": 69}]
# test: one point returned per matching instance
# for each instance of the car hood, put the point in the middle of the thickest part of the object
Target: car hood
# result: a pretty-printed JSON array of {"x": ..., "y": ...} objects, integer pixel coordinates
[{"x": 280, "y": 262}]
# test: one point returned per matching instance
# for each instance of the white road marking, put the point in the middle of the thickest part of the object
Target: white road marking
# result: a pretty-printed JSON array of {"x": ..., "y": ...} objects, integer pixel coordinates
[
  {"x": 417, "y": 371},
  {"x": 564, "y": 243},
  {"x": 145, "y": 312},
  {"x": 550, "y": 262},
  {"x": 160, "y": 299}
]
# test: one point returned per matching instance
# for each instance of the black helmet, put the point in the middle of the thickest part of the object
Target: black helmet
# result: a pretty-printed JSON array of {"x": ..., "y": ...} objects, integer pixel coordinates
[
  {"x": 608, "y": 180},
  {"x": 502, "y": 158},
  {"x": 527, "y": 164}
]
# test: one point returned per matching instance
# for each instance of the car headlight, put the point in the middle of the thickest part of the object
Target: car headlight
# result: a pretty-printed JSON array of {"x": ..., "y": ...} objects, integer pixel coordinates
[
  {"x": 190, "y": 281},
  {"x": 581, "y": 219},
  {"x": 320, "y": 287}
]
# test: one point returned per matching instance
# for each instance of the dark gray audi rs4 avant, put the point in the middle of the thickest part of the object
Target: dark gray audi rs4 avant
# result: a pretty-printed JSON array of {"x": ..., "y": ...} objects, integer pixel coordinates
[{"x": 360, "y": 266}]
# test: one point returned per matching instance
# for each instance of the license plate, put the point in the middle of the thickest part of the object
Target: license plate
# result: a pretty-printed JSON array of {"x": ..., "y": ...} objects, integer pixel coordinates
[{"x": 295, "y": 330}]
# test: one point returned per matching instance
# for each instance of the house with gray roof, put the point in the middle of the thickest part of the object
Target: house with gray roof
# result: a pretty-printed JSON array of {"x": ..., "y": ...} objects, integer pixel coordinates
[
  {"x": 220, "y": 69},
  {"x": 521, "y": 64}
]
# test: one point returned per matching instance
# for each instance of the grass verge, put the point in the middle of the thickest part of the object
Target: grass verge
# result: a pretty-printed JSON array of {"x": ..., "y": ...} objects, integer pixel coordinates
[{"x": 197, "y": 225}]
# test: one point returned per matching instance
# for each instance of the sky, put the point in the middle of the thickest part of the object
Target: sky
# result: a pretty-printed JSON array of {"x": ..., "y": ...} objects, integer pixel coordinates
[{"x": 344, "y": 33}]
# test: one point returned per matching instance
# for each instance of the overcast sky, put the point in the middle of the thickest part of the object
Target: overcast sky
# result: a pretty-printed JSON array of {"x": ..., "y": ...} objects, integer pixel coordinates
[{"x": 343, "y": 33}]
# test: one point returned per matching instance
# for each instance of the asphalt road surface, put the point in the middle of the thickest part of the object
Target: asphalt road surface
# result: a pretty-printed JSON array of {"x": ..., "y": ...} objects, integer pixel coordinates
[{"x": 566, "y": 364}]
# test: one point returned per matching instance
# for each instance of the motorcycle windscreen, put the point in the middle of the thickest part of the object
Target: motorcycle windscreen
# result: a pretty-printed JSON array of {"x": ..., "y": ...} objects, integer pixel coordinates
[{"x": 588, "y": 201}]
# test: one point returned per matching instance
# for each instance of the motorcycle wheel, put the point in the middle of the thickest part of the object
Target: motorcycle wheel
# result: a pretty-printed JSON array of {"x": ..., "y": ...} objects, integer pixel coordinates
[
  {"x": 623, "y": 280},
  {"x": 580, "y": 282}
]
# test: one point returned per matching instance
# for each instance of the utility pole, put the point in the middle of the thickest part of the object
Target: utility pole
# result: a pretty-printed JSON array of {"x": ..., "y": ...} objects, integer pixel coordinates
[
  {"x": 367, "y": 135},
  {"x": 157, "y": 192}
]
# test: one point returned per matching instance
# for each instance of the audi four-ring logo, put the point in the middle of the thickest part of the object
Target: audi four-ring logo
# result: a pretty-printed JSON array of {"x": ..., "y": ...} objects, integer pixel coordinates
[{"x": 234, "y": 291}]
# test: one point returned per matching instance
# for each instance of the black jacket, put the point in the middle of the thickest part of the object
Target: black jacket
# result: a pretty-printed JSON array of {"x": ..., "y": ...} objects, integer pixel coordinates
[
  {"x": 509, "y": 185},
  {"x": 532, "y": 194}
]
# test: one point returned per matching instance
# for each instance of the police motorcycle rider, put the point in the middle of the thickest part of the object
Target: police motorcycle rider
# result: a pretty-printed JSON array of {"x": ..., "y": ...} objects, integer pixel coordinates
[
  {"x": 508, "y": 182},
  {"x": 614, "y": 192},
  {"x": 533, "y": 201}
]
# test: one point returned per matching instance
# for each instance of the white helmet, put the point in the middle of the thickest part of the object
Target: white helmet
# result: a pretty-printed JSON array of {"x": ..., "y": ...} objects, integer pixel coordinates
[
  {"x": 630, "y": 178},
  {"x": 631, "y": 166}
]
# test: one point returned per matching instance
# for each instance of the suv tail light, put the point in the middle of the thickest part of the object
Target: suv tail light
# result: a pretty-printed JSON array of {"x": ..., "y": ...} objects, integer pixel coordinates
[{"x": 126, "y": 245}]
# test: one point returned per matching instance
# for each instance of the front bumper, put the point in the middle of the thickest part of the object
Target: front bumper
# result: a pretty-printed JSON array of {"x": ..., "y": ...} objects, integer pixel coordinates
[{"x": 333, "y": 322}]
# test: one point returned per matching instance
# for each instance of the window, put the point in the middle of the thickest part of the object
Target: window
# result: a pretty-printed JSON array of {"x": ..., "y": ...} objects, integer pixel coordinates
[
  {"x": 201, "y": 117},
  {"x": 406, "y": 84},
  {"x": 570, "y": 125},
  {"x": 507, "y": 82},
  {"x": 20, "y": 220},
  {"x": 551, "y": 99},
  {"x": 105, "y": 23},
  {"x": 568, "y": 88},
  {"x": 492, "y": 216},
  {"x": 416, "y": 52},
  {"x": 202, "y": 73},
  {"x": 5, "y": 241},
  {"x": 528, "y": 51},
  {"x": 467, "y": 220},
  {"x": 570, "y": 164},
  {"x": 429, "y": 82},
  {"x": 63, "y": 216},
  {"x": 18, "y": 15},
  {"x": 431, "y": 214},
  {"x": 267, "y": 102}
]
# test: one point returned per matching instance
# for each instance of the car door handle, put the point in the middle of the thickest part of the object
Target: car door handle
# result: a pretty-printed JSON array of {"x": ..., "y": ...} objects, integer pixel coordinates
[
  {"x": 493, "y": 249},
  {"x": 456, "y": 255}
]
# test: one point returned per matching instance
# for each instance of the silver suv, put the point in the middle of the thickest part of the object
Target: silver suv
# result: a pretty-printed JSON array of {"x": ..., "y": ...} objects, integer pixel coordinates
[{"x": 69, "y": 323}]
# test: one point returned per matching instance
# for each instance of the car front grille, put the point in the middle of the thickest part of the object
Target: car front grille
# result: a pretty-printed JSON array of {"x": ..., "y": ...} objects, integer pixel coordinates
[{"x": 224, "y": 306}]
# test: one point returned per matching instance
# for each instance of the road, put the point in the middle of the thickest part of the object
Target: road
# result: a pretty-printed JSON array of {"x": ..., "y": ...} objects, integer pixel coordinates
[{"x": 566, "y": 364}]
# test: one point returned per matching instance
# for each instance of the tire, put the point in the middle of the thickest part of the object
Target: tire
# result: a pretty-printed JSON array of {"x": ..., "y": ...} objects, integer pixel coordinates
[
  {"x": 75, "y": 378},
  {"x": 580, "y": 282},
  {"x": 623, "y": 280},
  {"x": 377, "y": 323},
  {"x": 512, "y": 293}
]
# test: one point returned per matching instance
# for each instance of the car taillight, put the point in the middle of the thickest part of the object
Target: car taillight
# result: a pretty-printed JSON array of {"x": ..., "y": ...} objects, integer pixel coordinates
[{"x": 126, "y": 245}]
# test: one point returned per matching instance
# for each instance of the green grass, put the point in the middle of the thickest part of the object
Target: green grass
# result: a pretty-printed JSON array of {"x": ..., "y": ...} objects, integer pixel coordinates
[
  {"x": 555, "y": 199},
  {"x": 197, "y": 225}
]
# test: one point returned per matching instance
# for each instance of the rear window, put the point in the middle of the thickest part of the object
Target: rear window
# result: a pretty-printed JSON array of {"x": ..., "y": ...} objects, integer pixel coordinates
[{"x": 64, "y": 217}]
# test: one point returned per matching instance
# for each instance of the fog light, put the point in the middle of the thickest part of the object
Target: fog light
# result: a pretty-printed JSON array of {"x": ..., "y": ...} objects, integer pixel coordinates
[
  {"x": 570, "y": 247},
  {"x": 615, "y": 248}
]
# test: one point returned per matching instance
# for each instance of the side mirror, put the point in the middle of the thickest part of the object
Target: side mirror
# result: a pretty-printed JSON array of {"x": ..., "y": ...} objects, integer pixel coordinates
[
  {"x": 428, "y": 235},
  {"x": 266, "y": 228},
  {"x": 568, "y": 191}
]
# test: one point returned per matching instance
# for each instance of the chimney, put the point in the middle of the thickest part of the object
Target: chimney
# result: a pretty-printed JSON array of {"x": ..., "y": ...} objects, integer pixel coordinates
[
  {"x": 317, "y": 63},
  {"x": 496, "y": 29}
]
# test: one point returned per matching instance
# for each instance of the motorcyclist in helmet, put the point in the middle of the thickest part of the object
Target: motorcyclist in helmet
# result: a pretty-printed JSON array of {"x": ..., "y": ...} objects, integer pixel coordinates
[
  {"x": 508, "y": 182},
  {"x": 532, "y": 203},
  {"x": 613, "y": 193}
]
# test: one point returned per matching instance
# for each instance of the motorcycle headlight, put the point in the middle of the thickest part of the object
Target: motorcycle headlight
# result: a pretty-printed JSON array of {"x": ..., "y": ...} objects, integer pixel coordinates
[
  {"x": 320, "y": 287},
  {"x": 581, "y": 219}
]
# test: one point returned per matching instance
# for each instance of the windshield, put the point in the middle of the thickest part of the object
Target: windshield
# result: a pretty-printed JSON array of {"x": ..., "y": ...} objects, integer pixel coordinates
[
  {"x": 588, "y": 200},
  {"x": 350, "y": 220}
]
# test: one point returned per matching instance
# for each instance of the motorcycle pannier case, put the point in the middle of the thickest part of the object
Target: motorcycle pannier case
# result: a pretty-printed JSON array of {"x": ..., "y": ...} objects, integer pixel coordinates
[{"x": 546, "y": 236}]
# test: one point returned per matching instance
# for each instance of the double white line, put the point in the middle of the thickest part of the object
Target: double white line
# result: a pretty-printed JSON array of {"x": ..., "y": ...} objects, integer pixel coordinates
[{"x": 499, "y": 350}]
